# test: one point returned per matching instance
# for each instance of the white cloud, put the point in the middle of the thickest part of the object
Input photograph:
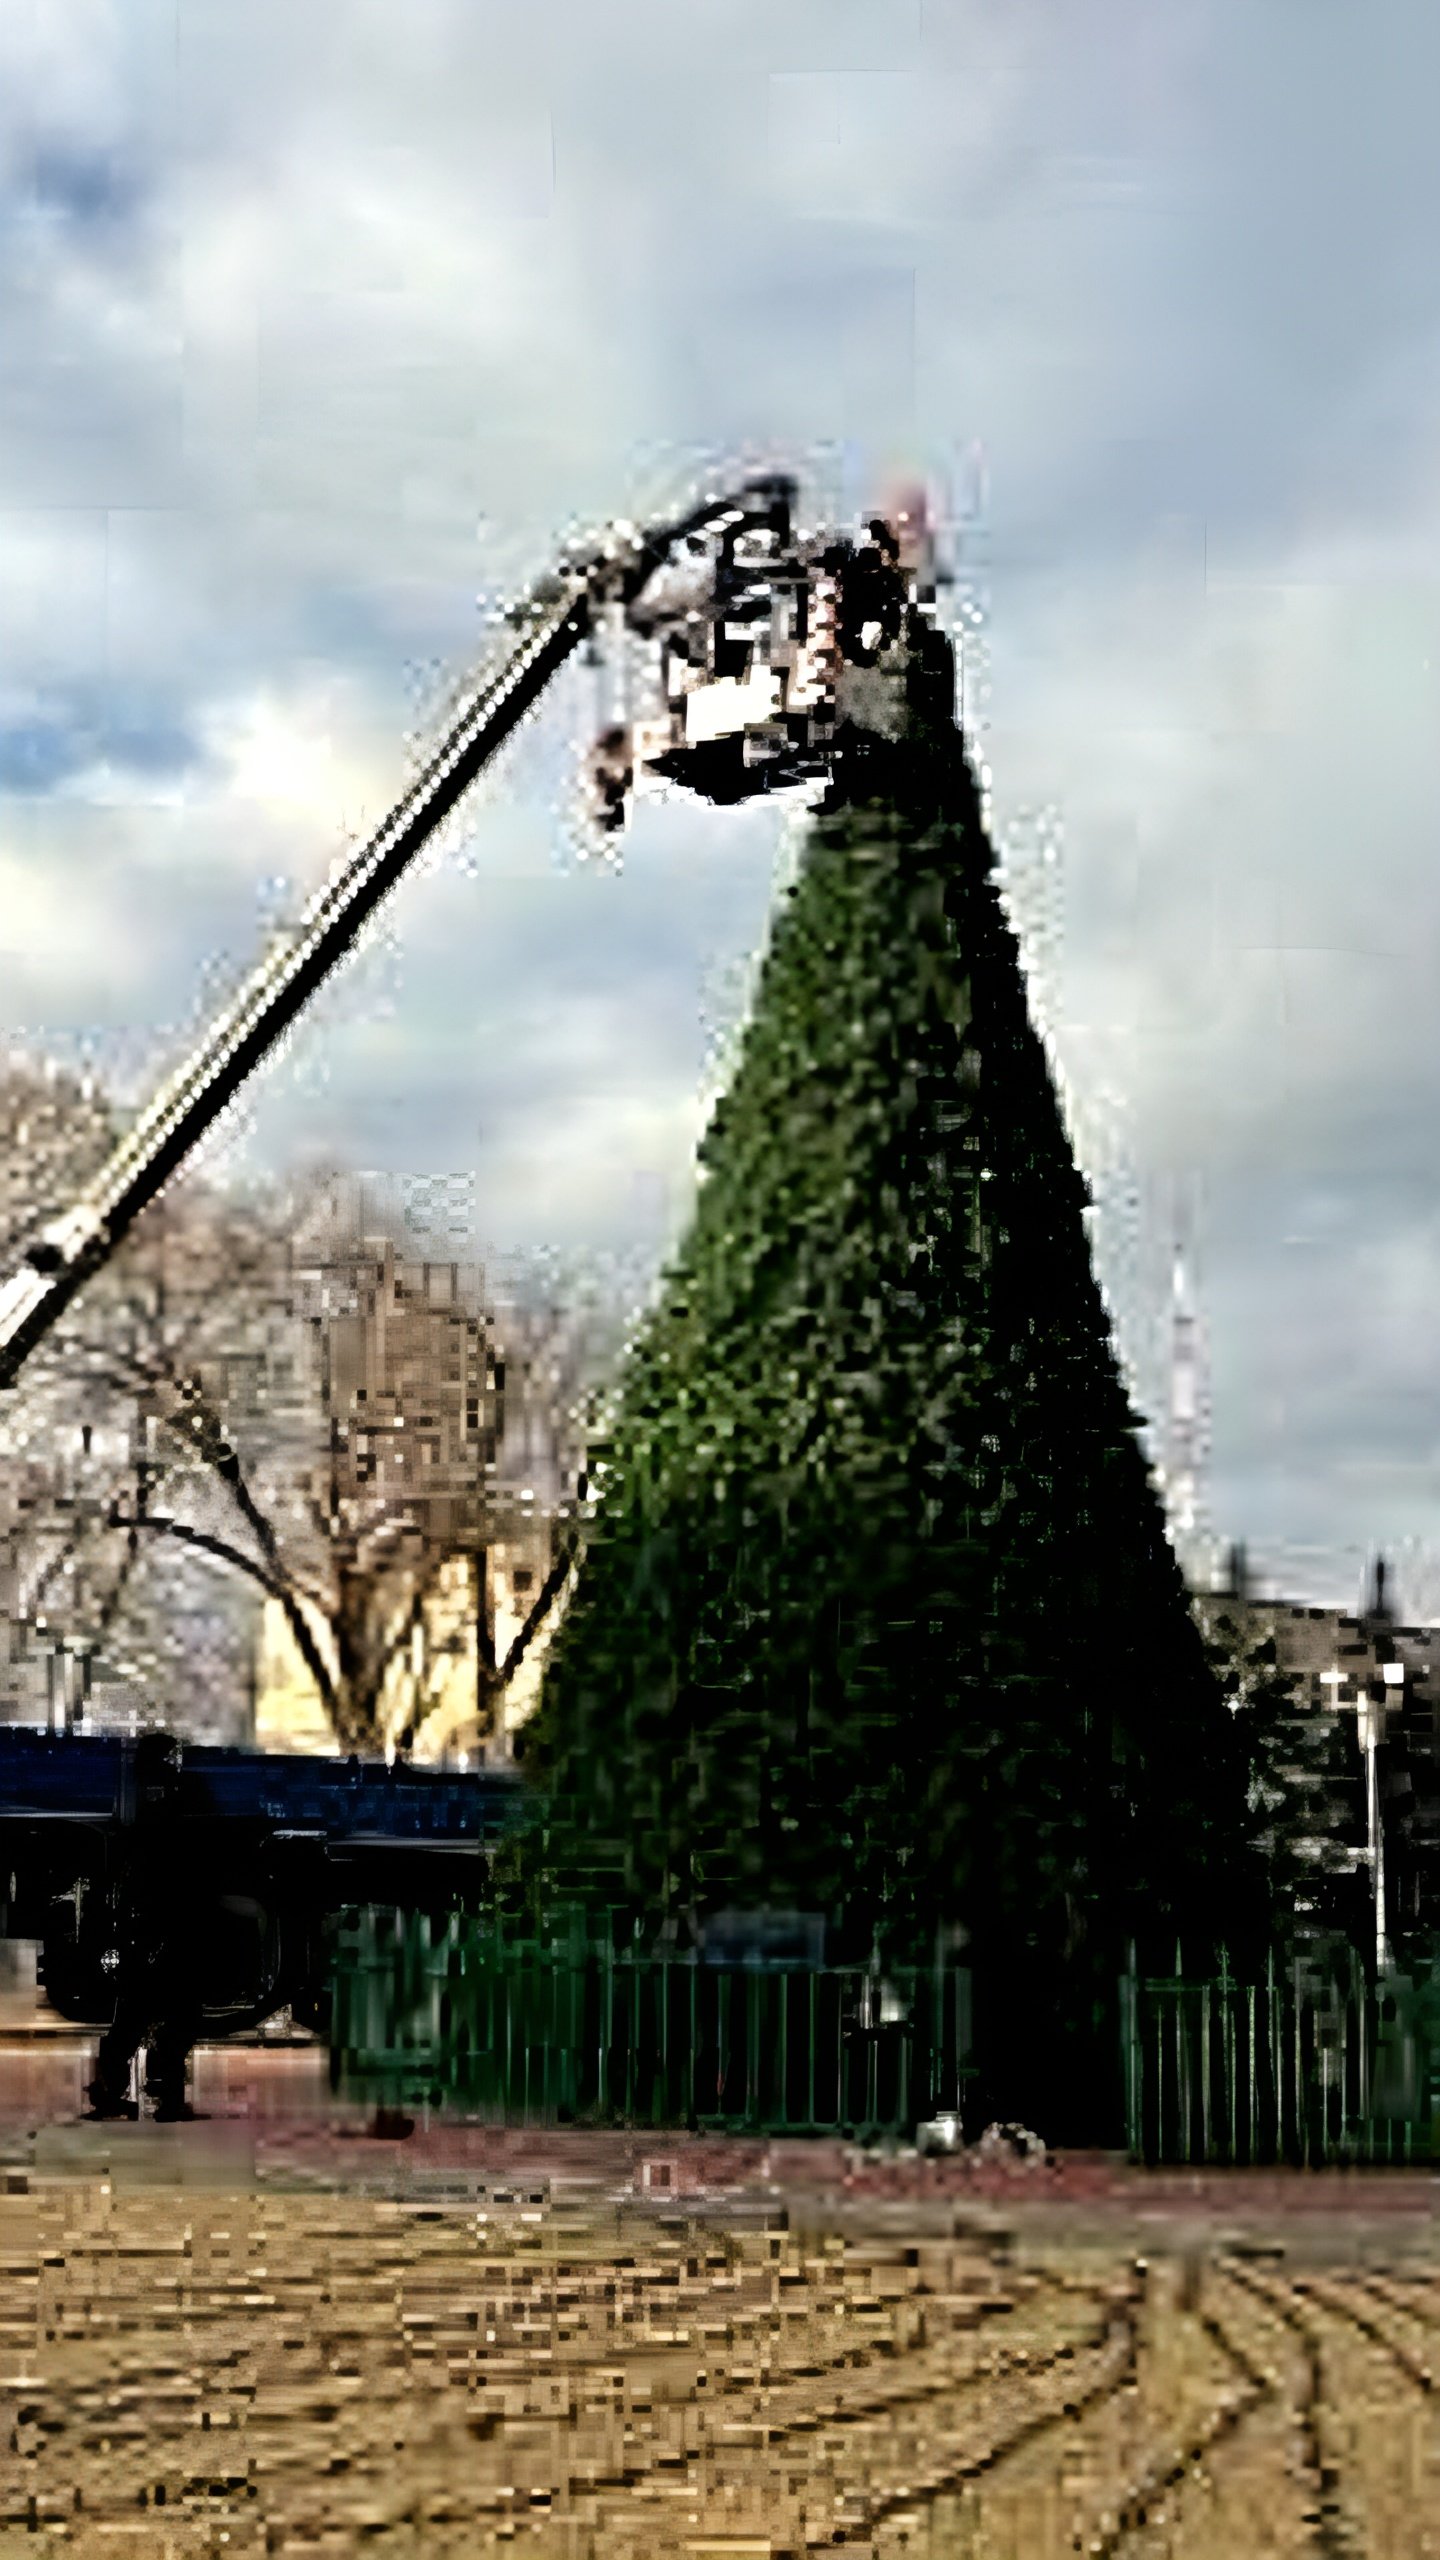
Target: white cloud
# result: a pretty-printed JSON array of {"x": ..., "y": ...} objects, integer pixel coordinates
[
  {"x": 58, "y": 955},
  {"x": 318, "y": 321}
]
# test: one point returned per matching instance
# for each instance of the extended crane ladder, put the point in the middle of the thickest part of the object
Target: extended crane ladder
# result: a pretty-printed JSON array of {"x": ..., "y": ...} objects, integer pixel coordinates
[{"x": 552, "y": 620}]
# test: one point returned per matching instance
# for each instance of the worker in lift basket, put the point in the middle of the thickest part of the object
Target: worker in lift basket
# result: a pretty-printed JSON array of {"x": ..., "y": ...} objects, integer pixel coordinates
[{"x": 157, "y": 1996}]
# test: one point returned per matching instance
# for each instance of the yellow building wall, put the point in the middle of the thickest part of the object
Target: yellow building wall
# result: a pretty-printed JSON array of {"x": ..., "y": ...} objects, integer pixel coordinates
[
  {"x": 288, "y": 1712},
  {"x": 437, "y": 1673}
]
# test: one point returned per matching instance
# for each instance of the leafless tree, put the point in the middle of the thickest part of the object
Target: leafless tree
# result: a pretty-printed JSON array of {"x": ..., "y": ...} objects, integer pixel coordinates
[
  {"x": 299, "y": 1408},
  {"x": 97, "y": 1436},
  {"x": 445, "y": 1438}
]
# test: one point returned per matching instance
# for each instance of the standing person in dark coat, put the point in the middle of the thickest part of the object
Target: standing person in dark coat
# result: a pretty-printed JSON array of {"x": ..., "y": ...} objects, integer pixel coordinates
[{"x": 157, "y": 2001}]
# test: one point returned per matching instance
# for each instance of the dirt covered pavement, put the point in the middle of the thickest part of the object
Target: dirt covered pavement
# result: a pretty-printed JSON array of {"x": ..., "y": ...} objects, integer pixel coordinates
[
  {"x": 274, "y": 2331},
  {"x": 204, "y": 2355}
]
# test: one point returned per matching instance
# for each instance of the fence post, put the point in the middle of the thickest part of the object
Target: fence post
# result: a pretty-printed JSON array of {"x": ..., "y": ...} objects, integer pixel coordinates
[
  {"x": 712, "y": 2087},
  {"x": 1365, "y": 2022},
  {"x": 1185, "y": 2087},
  {"x": 1343, "y": 2133},
  {"x": 607, "y": 2030},
  {"x": 1227, "y": 2049},
  {"x": 661, "y": 2109},
  {"x": 1133, "y": 2057},
  {"x": 524, "y": 1978},
  {"x": 1275, "y": 2050},
  {"x": 1302, "y": 2112},
  {"x": 1254, "y": 2068},
  {"x": 1273, "y": 2140},
  {"x": 568, "y": 1976},
  {"x": 627, "y": 1985},
  {"x": 934, "y": 2099},
  {"x": 545, "y": 2010},
  {"x": 1182, "y": 2057},
  {"x": 1159, "y": 2008},
  {"x": 810, "y": 2054},
  {"x": 1205, "y": 2146},
  {"x": 694, "y": 2033}
]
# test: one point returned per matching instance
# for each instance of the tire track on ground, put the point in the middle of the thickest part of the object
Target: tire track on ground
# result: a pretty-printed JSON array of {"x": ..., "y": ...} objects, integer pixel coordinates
[
  {"x": 1120, "y": 2329},
  {"x": 712, "y": 2456},
  {"x": 1328, "y": 2294},
  {"x": 1392, "y": 2297},
  {"x": 1336, "y": 2534},
  {"x": 1169, "y": 2470}
]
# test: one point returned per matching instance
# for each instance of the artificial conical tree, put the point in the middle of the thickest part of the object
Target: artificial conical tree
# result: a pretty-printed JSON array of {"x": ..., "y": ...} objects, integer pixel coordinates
[{"x": 878, "y": 1616}]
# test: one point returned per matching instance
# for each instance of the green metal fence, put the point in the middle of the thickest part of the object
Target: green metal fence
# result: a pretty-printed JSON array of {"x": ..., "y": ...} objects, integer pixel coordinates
[
  {"x": 1304, "y": 2065},
  {"x": 449, "y": 2012}
]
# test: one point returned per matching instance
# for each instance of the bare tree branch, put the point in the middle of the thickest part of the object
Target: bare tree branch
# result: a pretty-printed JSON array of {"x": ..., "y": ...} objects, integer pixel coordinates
[
  {"x": 357, "y": 1408},
  {"x": 277, "y": 1585},
  {"x": 566, "y": 1556}
]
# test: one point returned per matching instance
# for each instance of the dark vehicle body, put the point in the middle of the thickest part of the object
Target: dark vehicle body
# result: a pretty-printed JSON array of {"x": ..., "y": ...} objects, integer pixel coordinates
[{"x": 266, "y": 1849}]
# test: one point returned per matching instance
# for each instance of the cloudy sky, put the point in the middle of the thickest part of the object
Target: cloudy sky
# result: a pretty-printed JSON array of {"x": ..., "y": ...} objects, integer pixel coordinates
[{"x": 320, "y": 325}]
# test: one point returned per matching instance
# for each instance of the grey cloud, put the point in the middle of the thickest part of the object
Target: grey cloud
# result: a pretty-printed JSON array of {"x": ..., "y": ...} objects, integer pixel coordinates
[
  {"x": 332, "y": 319},
  {"x": 98, "y": 191}
]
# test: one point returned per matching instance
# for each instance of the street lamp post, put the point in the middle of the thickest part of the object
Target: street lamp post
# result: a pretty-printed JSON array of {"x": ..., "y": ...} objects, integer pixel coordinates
[
  {"x": 1369, "y": 1734},
  {"x": 1372, "y": 1710},
  {"x": 1393, "y": 1676}
]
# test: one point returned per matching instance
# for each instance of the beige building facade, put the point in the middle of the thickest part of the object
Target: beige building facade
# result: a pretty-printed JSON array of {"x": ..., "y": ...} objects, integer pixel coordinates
[{"x": 433, "y": 1685}]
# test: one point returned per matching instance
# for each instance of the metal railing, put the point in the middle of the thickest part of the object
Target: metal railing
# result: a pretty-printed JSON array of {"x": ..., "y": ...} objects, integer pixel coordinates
[
  {"x": 1305, "y": 2065},
  {"x": 450, "y": 2012}
]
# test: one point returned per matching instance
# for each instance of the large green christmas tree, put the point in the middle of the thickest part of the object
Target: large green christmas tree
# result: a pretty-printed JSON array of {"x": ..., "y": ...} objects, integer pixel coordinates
[{"x": 878, "y": 1617}]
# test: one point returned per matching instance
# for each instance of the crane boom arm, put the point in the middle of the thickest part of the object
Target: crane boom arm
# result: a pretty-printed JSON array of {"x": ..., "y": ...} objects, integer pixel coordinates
[{"x": 551, "y": 622}]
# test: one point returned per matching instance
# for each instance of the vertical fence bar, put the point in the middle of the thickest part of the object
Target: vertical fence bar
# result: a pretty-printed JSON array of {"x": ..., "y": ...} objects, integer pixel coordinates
[
  {"x": 1158, "y": 2012},
  {"x": 1130, "y": 2030},
  {"x": 1231, "y": 2080},
  {"x": 1253, "y": 2063},
  {"x": 1339, "y": 2141},
  {"x": 1367, "y": 2021},
  {"x": 1206, "y": 2152},
  {"x": 526, "y": 2028},
  {"x": 925, "y": 2091},
  {"x": 723, "y": 2021},
  {"x": 935, "y": 2098},
  {"x": 1274, "y": 2059},
  {"x": 607, "y": 2031},
  {"x": 1302, "y": 2112},
  {"x": 810, "y": 2055},
  {"x": 1343, "y": 2108},
  {"x": 872, "y": 2071},
  {"x": 1185, "y": 2074},
  {"x": 569, "y": 1972}
]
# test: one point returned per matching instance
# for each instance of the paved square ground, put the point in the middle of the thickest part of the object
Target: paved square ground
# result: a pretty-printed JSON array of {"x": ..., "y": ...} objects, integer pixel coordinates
[{"x": 185, "y": 2369}]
